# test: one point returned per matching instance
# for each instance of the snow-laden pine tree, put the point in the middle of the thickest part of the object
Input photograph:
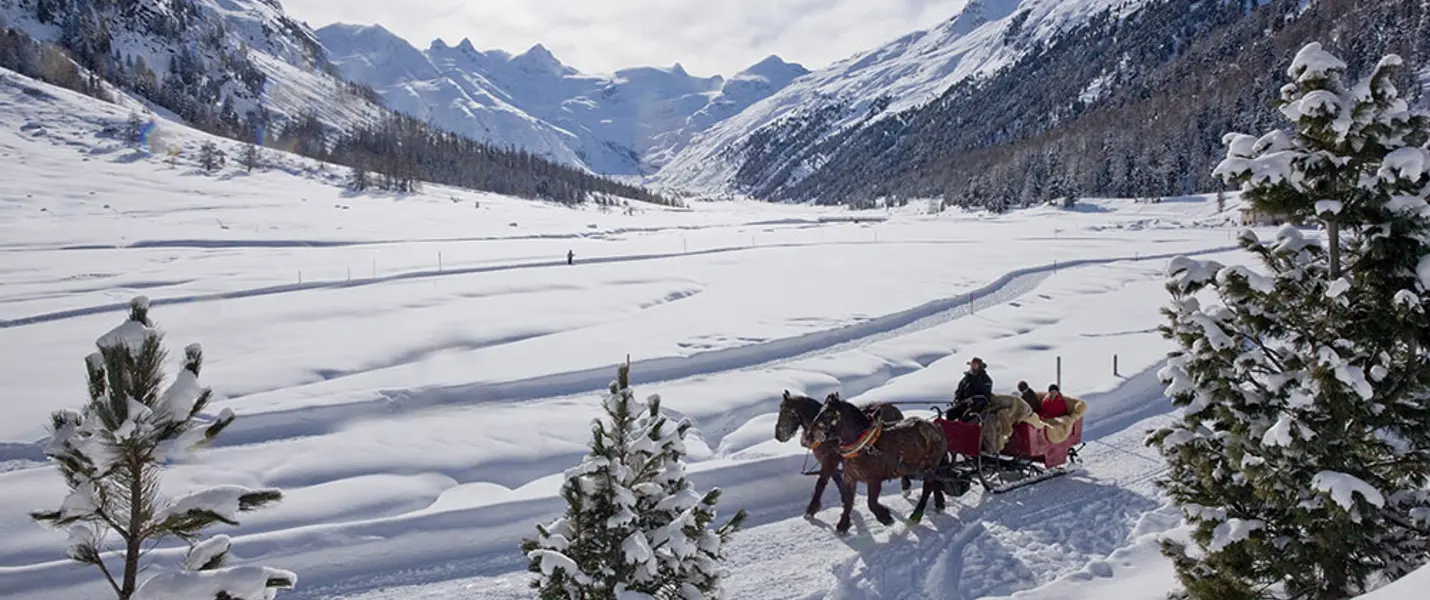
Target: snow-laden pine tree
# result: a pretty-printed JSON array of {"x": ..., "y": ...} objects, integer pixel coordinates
[
  {"x": 635, "y": 528},
  {"x": 1303, "y": 454},
  {"x": 111, "y": 455}
]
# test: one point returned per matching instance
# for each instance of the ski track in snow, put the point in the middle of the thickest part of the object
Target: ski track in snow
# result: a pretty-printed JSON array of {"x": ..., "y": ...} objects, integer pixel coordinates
[
  {"x": 404, "y": 276},
  {"x": 303, "y": 243},
  {"x": 309, "y": 421}
]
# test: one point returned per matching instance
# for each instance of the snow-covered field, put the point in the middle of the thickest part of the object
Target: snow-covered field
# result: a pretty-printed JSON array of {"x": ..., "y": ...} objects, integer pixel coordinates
[{"x": 416, "y": 372}]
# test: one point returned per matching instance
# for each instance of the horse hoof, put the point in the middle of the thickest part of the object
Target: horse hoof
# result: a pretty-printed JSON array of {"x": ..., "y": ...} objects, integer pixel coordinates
[
  {"x": 916, "y": 518},
  {"x": 886, "y": 519}
]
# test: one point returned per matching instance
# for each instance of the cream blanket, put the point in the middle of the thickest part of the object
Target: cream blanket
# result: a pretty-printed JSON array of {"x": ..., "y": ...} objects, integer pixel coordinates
[
  {"x": 1008, "y": 411},
  {"x": 1058, "y": 429}
]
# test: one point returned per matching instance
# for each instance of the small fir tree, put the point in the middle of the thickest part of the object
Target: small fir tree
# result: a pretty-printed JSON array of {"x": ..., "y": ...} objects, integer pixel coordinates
[
  {"x": 134, "y": 129},
  {"x": 252, "y": 157},
  {"x": 358, "y": 179},
  {"x": 634, "y": 528},
  {"x": 211, "y": 158},
  {"x": 111, "y": 455},
  {"x": 1303, "y": 454}
]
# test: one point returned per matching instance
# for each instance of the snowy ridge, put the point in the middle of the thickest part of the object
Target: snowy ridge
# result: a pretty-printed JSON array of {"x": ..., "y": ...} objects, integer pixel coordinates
[
  {"x": 222, "y": 34},
  {"x": 912, "y": 70},
  {"x": 626, "y": 123}
]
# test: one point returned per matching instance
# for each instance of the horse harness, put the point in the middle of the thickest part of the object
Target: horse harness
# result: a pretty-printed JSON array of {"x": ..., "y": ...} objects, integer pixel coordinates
[{"x": 865, "y": 441}]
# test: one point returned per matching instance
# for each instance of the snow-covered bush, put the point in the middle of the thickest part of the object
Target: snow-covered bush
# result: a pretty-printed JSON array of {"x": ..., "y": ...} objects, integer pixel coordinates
[
  {"x": 634, "y": 528},
  {"x": 1303, "y": 453},
  {"x": 111, "y": 455}
]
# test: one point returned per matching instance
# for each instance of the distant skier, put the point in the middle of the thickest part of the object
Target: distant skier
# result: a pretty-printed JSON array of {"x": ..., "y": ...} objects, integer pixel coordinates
[{"x": 570, "y": 257}]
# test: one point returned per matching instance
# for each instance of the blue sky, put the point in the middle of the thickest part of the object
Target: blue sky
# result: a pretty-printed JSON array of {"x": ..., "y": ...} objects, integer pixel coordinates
[{"x": 599, "y": 36}]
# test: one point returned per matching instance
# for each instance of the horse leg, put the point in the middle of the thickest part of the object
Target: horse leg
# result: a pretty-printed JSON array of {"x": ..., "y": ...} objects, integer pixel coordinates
[
  {"x": 846, "y": 489},
  {"x": 905, "y": 484},
  {"x": 944, "y": 468},
  {"x": 826, "y": 471},
  {"x": 880, "y": 511},
  {"x": 931, "y": 486},
  {"x": 847, "y": 496}
]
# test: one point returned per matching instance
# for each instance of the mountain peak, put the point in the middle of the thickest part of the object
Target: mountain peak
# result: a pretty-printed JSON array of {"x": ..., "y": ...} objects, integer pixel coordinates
[
  {"x": 772, "y": 61},
  {"x": 539, "y": 59},
  {"x": 774, "y": 69},
  {"x": 355, "y": 31},
  {"x": 538, "y": 54}
]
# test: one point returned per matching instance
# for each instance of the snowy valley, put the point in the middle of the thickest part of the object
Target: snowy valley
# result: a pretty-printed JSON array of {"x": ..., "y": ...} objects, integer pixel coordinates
[
  {"x": 415, "y": 372},
  {"x": 417, "y": 365}
]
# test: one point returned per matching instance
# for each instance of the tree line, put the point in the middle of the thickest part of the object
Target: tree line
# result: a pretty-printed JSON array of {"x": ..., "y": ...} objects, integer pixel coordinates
[{"x": 208, "y": 77}]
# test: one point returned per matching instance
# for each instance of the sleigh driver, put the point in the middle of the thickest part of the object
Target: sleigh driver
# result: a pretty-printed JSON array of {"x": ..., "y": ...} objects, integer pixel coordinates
[{"x": 973, "y": 391}]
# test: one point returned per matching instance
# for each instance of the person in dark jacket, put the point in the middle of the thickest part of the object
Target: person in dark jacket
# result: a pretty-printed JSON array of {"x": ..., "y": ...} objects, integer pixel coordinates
[
  {"x": 976, "y": 381},
  {"x": 1030, "y": 396},
  {"x": 973, "y": 391}
]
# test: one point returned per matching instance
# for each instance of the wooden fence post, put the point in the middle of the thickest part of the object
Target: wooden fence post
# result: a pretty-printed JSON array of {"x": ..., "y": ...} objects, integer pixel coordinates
[
  {"x": 1114, "y": 365},
  {"x": 1060, "y": 373}
]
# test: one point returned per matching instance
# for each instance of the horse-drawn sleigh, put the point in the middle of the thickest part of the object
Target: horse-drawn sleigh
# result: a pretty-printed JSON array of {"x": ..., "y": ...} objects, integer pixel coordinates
[{"x": 1001, "y": 446}]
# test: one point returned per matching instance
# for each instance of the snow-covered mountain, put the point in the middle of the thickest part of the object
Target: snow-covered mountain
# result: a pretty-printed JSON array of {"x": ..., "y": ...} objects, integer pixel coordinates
[
  {"x": 629, "y": 122},
  {"x": 909, "y": 71},
  {"x": 235, "y": 60}
]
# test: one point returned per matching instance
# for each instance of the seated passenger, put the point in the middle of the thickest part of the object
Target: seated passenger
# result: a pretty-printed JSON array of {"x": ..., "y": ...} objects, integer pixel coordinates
[
  {"x": 1054, "y": 404},
  {"x": 1030, "y": 396}
]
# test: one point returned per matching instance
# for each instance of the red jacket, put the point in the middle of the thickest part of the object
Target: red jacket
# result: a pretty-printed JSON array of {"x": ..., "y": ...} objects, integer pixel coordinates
[{"x": 1054, "y": 406}]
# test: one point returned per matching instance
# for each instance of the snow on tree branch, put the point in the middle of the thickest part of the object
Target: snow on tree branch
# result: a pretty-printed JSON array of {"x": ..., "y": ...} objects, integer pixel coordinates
[
  {"x": 112, "y": 453},
  {"x": 1304, "y": 383},
  {"x": 256, "y": 583},
  {"x": 634, "y": 526},
  {"x": 1342, "y": 489}
]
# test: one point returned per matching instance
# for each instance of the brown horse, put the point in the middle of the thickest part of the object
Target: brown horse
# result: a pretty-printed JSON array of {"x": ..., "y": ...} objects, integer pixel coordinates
[
  {"x": 797, "y": 412},
  {"x": 873, "y": 453}
]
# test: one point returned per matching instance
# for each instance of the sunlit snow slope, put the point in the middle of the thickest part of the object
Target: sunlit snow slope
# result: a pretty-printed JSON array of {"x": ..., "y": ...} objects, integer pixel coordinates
[{"x": 907, "y": 72}]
